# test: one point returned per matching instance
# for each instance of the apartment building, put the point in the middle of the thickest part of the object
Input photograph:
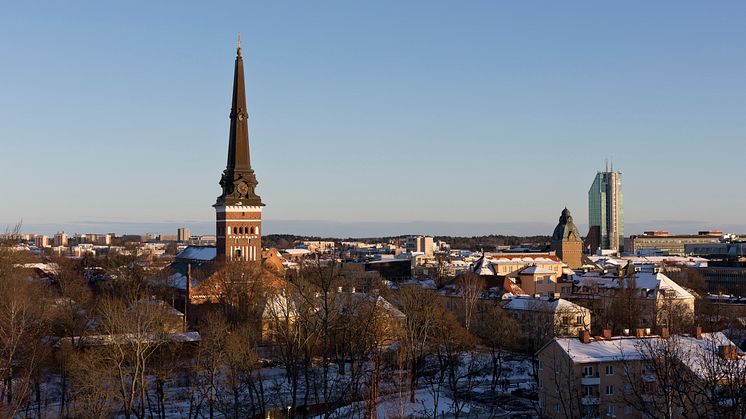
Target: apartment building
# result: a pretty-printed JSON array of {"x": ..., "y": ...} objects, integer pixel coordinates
[{"x": 632, "y": 376}]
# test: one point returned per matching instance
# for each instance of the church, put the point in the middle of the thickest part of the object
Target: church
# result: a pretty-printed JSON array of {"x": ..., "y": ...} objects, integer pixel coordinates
[
  {"x": 198, "y": 271},
  {"x": 238, "y": 210}
]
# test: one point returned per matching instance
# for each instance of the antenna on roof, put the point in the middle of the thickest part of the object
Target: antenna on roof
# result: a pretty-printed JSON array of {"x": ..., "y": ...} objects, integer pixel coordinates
[
  {"x": 606, "y": 164},
  {"x": 612, "y": 164}
]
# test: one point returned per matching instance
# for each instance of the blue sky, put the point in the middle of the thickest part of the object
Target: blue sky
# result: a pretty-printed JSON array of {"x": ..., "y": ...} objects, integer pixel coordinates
[{"x": 377, "y": 117}]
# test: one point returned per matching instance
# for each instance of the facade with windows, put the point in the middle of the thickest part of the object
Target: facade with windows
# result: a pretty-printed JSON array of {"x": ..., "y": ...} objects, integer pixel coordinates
[
  {"x": 606, "y": 211},
  {"x": 622, "y": 376}
]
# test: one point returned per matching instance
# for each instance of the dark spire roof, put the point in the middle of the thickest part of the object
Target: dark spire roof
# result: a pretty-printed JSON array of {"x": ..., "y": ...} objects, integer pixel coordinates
[
  {"x": 238, "y": 142},
  {"x": 238, "y": 180},
  {"x": 566, "y": 229}
]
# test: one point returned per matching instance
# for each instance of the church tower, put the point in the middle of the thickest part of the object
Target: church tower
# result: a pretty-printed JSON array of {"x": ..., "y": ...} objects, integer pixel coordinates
[
  {"x": 238, "y": 209},
  {"x": 566, "y": 241}
]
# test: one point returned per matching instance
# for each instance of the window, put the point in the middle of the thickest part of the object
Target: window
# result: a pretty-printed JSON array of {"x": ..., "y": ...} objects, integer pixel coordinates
[
  {"x": 609, "y": 370},
  {"x": 610, "y": 410},
  {"x": 627, "y": 409},
  {"x": 588, "y": 371},
  {"x": 627, "y": 389},
  {"x": 565, "y": 321},
  {"x": 541, "y": 365},
  {"x": 579, "y": 320},
  {"x": 557, "y": 408},
  {"x": 609, "y": 390},
  {"x": 541, "y": 384}
]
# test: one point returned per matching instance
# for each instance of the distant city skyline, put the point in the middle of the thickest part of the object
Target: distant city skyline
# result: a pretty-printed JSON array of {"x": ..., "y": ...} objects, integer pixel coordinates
[{"x": 374, "y": 119}]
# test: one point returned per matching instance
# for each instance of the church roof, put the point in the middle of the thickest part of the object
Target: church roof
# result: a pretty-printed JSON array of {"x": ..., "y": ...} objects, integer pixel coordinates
[
  {"x": 238, "y": 180},
  {"x": 566, "y": 229}
]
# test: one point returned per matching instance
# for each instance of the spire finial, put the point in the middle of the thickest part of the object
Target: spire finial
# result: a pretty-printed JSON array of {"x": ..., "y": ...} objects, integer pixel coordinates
[{"x": 238, "y": 43}]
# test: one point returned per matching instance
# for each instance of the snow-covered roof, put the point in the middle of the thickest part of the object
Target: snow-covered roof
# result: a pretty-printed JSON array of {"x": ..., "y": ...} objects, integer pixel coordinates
[
  {"x": 542, "y": 304},
  {"x": 534, "y": 270},
  {"x": 297, "y": 252},
  {"x": 696, "y": 354},
  {"x": 198, "y": 253},
  {"x": 642, "y": 280}
]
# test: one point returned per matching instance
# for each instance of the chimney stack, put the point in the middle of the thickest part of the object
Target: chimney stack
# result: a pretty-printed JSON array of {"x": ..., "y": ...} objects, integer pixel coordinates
[
  {"x": 607, "y": 333},
  {"x": 585, "y": 336},
  {"x": 639, "y": 333},
  {"x": 698, "y": 332},
  {"x": 728, "y": 352},
  {"x": 664, "y": 333}
]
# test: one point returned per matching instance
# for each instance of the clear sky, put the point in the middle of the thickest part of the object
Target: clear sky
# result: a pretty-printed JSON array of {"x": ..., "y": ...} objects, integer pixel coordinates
[{"x": 376, "y": 117}]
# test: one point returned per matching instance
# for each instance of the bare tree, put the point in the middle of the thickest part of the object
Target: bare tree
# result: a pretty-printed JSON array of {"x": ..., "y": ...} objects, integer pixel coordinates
[
  {"x": 134, "y": 332},
  {"x": 23, "y": 322},
  {"x": 501, "y": 334},
  {"x": 471, "y": 287},
  {"x": 421, "y": 309}
]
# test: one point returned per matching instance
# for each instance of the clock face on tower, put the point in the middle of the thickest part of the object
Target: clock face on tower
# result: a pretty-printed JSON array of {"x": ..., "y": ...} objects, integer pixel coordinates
[{"x": 242, "y": 188}]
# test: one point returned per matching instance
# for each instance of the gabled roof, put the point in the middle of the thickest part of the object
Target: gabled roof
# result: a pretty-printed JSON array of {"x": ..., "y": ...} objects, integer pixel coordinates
[
  {"x": 699, "y": 355},
  {"x": 199, "y": 253},
  {"x": 641, "y": 280},
  {"x": 542, "y": 304}
]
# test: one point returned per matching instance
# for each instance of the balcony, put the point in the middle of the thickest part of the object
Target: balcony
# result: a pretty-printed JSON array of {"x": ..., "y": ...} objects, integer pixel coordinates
[
  {"x": 590, "y": 401},
  {"x": 590, "y": 380}
]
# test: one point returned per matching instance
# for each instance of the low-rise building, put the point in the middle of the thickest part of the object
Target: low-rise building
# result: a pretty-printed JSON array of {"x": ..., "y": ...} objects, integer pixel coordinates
[
  {"x": 636, "y": 376},
  {"x": 657, "y": 299},
  {"x": 542, "y": 319},
  {"x": 668, "y": 244}
]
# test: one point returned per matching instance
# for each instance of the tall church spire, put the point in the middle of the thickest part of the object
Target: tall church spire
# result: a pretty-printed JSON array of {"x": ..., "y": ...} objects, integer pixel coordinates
[
  {"x": 238, "y": 180},
  {"x": 238, "y": 210}
]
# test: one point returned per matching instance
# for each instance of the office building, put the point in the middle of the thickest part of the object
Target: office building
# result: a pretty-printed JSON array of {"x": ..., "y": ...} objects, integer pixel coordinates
[{"x": 606, "y": 212}]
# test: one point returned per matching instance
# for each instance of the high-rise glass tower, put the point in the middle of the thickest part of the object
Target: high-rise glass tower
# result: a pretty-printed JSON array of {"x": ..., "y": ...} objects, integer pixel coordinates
[{"x": 606, "y": 212}]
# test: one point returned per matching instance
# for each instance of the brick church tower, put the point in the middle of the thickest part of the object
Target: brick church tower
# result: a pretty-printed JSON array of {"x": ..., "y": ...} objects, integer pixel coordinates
[
  {"x": 567, "y": 242},
  {"x": 238, "y": 209}
]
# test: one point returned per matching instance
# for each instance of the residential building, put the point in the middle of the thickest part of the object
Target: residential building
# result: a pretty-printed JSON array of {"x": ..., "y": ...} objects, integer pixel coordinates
[
  {"x": 182, "y": 234},
  {"x": 60, "y": 239},
  {"x": 606, "y": 212},
  {"x": 631, "y": 376},
  {"x": 542, "y": 319},
  {"x": 41, "y": 241},
  {"x": 657, "y": 300}
]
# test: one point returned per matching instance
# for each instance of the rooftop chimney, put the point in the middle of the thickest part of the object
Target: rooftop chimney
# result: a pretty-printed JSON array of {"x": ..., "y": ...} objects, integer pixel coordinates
[
  {"x": 585, "y": 336},
  {"x": 664, "y": 333},
  {"x": 607, "y": 333},
  {"x": 728, "y": 352},
  {"x": 698, "y": 332},
  {"x": 640, "y": 333}
]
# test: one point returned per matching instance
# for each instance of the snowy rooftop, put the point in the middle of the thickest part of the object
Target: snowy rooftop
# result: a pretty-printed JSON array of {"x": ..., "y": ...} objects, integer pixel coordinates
[
  {"x": 642, "y": 280},
  {"x": 533, "y": 270},
  {"x": 542, "y": 304},
  {"x": 697, "y": 354},
  {"x": 297, "y": 252},
  {"x": 204, "y": 253}
]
